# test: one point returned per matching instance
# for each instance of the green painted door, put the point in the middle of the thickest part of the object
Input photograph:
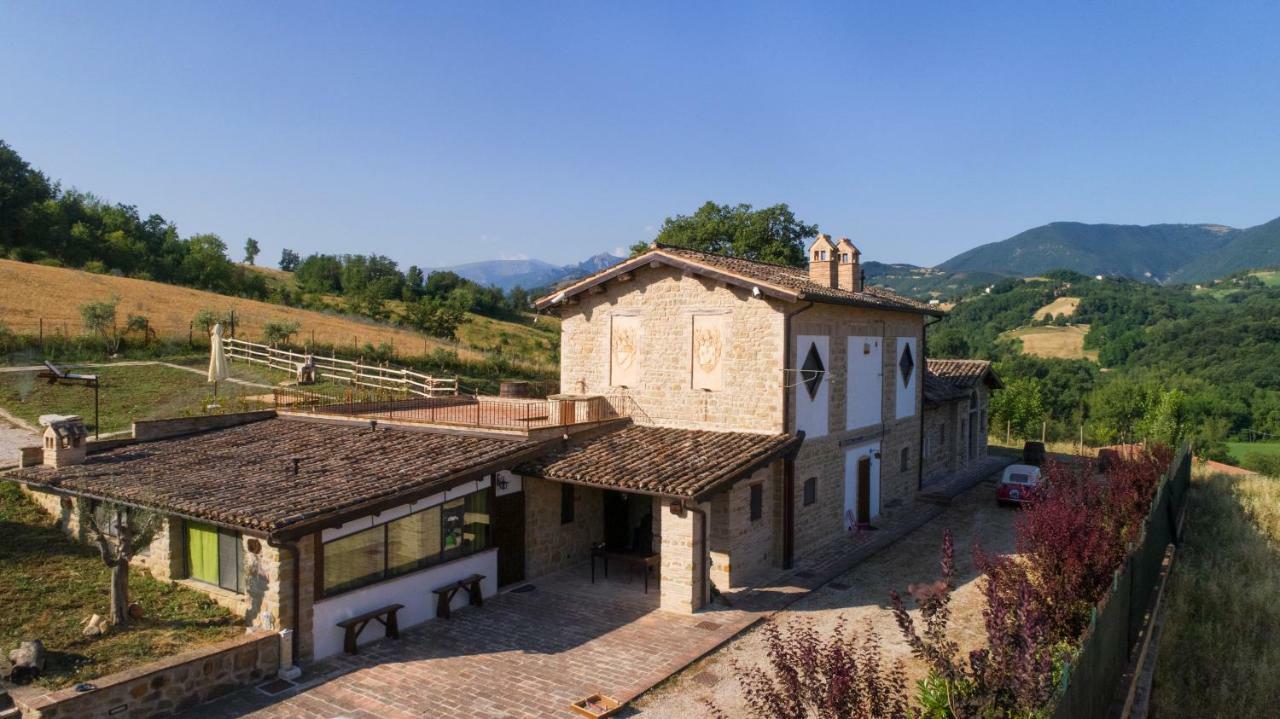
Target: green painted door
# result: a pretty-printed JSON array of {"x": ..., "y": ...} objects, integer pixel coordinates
[{"x": 202, "y": 552}]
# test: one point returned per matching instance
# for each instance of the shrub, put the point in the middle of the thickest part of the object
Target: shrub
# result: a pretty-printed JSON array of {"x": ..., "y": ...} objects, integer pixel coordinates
[
  {"x": 277, "y": 332},
  {"x": 809, "y": 677}
]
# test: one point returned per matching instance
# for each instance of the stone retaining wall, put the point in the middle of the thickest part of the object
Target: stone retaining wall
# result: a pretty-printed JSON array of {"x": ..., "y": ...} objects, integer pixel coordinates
[{"x": 163, "y": 687}]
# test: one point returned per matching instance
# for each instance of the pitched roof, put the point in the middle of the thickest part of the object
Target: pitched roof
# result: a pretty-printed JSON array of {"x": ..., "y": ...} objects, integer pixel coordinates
[
  {"x": 660, "y": 460},
  {"x": 964, "y": 373},
  {"x": 781, "y": 281},
  {"x": 243, "y": 476},
  {"x": 938, "y": 390}
]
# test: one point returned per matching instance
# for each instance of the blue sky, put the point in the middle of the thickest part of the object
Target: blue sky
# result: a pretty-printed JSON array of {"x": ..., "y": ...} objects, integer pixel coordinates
[{"x": 445, "y": 133}]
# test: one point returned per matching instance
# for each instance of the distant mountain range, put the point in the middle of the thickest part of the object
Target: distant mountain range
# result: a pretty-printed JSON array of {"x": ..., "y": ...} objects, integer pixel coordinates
[
  {"x": 1159, "y": 253},
  {"x": 1153, "y": 253},
  {"x": 529, "y": 274}
]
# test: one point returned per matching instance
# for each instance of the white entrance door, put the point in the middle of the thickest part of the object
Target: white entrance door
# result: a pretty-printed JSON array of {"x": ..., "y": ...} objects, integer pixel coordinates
[{"x": 852, "y": 457}]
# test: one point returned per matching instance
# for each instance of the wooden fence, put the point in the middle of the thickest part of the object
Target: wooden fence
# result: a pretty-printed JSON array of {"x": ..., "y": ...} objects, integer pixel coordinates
[{"x": 340, "y": 370}]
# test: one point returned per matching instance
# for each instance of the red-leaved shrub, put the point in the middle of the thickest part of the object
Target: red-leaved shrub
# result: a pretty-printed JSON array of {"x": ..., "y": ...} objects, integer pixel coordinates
[{"x": 811, "y": 676}]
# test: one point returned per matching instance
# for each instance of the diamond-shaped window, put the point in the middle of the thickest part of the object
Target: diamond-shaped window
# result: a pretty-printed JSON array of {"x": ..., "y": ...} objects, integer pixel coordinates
[
  {"x": 906, "y": 365},
  {"x": 812, "y": 370}
]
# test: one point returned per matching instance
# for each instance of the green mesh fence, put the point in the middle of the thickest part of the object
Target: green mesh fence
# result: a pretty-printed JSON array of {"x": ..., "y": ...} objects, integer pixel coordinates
[{"x": 1090, "y": 684}]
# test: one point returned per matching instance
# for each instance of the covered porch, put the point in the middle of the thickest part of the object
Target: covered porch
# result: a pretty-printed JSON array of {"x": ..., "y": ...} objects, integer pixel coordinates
[{"x": 693, "y": 512}]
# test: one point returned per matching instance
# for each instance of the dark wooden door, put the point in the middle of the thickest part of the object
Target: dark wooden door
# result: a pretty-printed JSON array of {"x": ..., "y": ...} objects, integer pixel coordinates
[
  {"x": 617, "y": 530},
  {"x": 864, "y": 492},
  {"x": 508, "y": 536}
]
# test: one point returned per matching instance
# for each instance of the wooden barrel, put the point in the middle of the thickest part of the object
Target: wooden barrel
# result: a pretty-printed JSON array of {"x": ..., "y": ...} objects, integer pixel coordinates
[{"x": 512, "y": 388}]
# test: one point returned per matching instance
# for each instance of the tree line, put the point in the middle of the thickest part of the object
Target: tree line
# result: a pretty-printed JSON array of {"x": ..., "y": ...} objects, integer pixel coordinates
[
  {"x": 41, "y": 222},
  {"x": 1173, "y": 361}
]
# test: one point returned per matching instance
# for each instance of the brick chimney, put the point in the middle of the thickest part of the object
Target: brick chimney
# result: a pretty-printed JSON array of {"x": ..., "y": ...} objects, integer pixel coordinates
[
  {"x": 822, "y": 262},
  {"x": 849, "y": 269},
  {"x": 64, "y": 440}
]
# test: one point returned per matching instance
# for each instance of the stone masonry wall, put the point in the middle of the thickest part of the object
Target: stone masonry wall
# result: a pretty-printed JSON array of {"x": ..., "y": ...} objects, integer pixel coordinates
[
  {"x": 667, "y": 301},
  {"x": 550, "y": 545},
  {"x": 940, "y": 448},
  {"x": 823, "y": 457},
  {"x": 680, "y": 568},
  {"x": 742, "y": 548},
  {"x": 163, "y": 687},
  {"x": 259, "y": 602}
]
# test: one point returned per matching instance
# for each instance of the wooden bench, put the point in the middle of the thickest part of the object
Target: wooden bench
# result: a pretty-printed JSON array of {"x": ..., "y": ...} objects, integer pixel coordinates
[
  {"x": 356, "y": 624},
  {"x": 444, "y": 595}
]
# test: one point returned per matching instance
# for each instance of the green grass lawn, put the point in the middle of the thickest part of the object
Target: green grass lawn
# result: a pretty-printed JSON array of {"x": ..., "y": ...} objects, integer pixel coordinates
[
  {"x": 1218, "y": 654},
  {"x": 49, "y": 586},
  {"x": 127, "y": 392}
]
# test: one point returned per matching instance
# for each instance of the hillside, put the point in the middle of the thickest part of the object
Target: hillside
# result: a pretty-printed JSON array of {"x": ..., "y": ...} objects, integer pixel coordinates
[
  {"x": 1256, "y": 247},
  {"x": 30, "y": 293},
  {"x": 1147, "y": 252},
  {"x": 926, "y": 283}
]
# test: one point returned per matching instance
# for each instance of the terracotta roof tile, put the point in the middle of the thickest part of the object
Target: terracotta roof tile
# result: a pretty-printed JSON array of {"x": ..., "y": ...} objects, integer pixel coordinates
[
  {"x": 964, "y": 373},
  {"x": 794, "y": 280},
  {"x": 243, "y": 476},
  {"x": 659, "y": 460},
  {"x": 797, "y": 278}
]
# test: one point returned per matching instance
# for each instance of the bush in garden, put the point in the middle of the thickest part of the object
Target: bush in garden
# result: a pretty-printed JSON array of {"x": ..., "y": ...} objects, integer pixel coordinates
[
  {"x": 811, "y": 677},
  {"x": 1010, "y": 677}
]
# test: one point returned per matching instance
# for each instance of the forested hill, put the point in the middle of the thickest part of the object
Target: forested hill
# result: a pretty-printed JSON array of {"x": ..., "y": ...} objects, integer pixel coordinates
[
  {"x": 1203, "y": 360},
  {"x": 1155, "y": 252}
]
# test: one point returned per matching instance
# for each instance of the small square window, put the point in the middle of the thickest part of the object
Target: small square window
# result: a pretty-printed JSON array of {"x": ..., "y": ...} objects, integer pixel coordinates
[
  {"x": 757, "y": 501},
  {"x": 904, "y": 460},
  {"x": 810, "y": 491},
  {"x": 566, "y": 503}
]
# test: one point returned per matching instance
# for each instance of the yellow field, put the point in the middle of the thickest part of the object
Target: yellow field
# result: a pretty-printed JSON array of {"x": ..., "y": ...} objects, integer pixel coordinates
[
  {"x": 1061, "y": 306},
  {"x": 29, "y": 293},
  {"x": 1064, "y": 342}
]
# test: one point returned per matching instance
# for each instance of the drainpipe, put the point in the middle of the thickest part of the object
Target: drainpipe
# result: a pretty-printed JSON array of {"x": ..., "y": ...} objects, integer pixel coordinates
[
  {"x": 924, "y": 357},
  {"x": 788, "y": 465},
  {"x": 297, "y": 601},
  {"x": 704, "y": 560}
]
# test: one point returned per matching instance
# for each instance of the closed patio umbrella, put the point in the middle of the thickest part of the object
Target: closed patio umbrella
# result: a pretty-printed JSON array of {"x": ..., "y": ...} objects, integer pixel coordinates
[{"x": 217, "y": 359}]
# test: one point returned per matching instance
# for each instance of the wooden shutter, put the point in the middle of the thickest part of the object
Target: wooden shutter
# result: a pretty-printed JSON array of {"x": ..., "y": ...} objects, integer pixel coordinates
[{"x": 202, "y": 552}]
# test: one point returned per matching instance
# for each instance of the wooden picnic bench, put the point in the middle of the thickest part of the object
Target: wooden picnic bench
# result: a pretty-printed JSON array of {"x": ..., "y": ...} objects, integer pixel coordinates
[
  {"x": 356, "y": 624},
  {"x": 444, "y": 595}
]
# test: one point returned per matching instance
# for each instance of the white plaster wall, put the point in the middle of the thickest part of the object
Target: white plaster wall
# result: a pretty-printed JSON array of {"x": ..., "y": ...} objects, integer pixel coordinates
[
  {"x": 906, "y": 400},
  {"x": 865, "y": 385},
  {"x": 812, "y": 414},
  {"x": 411, "y": 590}
]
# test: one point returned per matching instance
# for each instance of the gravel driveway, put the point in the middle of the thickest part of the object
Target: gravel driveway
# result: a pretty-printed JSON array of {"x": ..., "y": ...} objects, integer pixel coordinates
[{"x": 973, "y": 518}]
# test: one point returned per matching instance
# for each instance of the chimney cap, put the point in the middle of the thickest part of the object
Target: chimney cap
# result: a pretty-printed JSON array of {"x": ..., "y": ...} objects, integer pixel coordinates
[
  {"x": 846, "y": 242},
  {"x": 823, "y": 240}
]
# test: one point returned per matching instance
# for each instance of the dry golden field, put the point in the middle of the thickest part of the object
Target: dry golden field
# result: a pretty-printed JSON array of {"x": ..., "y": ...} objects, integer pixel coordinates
[
  {"x": 1064, "y": 342},
  {"x": 29, "y": 293},
  {"x": 1061, "y": 306}
]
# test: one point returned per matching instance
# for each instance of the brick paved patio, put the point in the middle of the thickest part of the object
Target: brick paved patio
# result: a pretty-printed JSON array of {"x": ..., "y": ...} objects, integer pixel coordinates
[
  {"x": 529, "y": 654},
  {"x": 523, "y": 654}
]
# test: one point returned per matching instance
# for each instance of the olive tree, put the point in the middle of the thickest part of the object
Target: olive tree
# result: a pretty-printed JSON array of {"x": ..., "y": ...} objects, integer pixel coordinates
[{"x": 128, "y": 531}]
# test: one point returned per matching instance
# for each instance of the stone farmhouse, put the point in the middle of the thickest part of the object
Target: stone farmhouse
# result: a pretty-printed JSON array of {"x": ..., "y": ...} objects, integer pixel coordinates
[{"x": 718, "y": 419}]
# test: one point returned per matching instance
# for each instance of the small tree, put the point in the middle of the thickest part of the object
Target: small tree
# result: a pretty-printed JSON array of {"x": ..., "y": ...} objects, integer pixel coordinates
[
  {"x": 141, "y": 325},
  {"x": 100, "y": 319},
  {"x": 128, "y": 531},
  {"x": 289, "y": 260},
  {"x": 275, "y": 332},
  {"x": 251, "y": 250}
]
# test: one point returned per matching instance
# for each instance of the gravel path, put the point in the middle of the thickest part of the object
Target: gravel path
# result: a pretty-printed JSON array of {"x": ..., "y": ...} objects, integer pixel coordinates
[{"x": 973, "y": 518}]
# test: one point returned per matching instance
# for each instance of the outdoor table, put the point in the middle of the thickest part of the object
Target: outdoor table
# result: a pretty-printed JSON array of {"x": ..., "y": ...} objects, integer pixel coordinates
[{"x": 634, "y": 560}]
